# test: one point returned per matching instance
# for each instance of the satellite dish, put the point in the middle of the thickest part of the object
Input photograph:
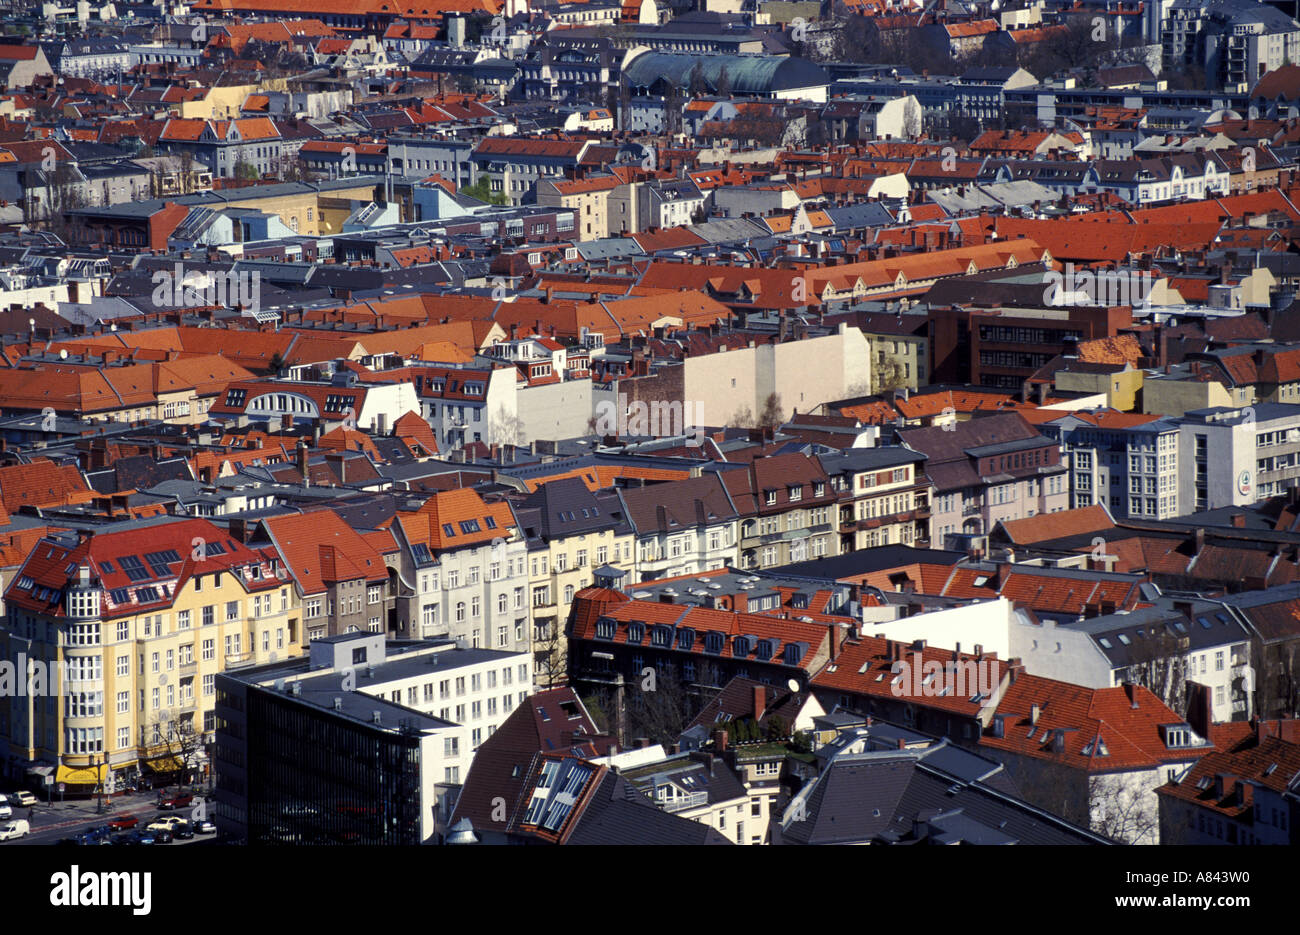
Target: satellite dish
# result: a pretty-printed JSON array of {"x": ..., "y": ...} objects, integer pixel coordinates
[{"x": 793, "y": 685}]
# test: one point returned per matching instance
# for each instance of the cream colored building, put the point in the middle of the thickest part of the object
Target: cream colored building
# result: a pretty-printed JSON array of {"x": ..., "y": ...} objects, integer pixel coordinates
[{"x": 128, "y": 629}]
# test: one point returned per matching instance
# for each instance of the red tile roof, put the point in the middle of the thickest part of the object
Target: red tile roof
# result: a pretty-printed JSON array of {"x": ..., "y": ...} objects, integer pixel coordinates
[{"x": 320, "y": 549}]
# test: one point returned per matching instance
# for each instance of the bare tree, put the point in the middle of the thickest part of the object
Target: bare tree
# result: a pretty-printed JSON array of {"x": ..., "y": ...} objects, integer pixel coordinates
[
  {"x": 1123, "y": 810},
  {"x": 174, "y": 745},
  {"x": 772, "y": 414},
  {"x": 1278, "y": 694},
  {"x": 888, "y": 375},
  {"x": 1159, "y": 663},
  {"x": 507, "y": 428},
  {"x": 550, "y": 652},
  {"x": 742, "y": 418},
  {"x": 656, "y": 703}
]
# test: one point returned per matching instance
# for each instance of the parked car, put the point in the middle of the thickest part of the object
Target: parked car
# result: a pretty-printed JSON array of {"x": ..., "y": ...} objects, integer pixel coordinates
[
  {"x": 165, "y": 822},
  {"x": 15, "y": 828},
  {"x": 122, "y": 822},
  {"x": 24, "y": 799},
  {"x": 205, "y": 827},
  {"x": 183, "y": 831},
  {"x": 162, "y": 836},
  {"x": 5, "y": 810},
  {"x": 135, "y": 837},
  {"x": 180, "y": 800}
]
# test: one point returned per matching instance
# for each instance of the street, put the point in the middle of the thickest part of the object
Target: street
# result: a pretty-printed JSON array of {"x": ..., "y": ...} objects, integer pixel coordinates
[{"x": 52, "y": 823}]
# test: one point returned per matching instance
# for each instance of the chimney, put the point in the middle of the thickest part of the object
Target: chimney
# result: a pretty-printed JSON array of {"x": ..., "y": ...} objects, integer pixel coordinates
[
  {"x": 760, "y": 702},
  {"x": 720, "y": 741},
  {"x": 338, "y": 460},
  {"x": 303, "y": 453},
  {"x": 1130, "y": 689}
]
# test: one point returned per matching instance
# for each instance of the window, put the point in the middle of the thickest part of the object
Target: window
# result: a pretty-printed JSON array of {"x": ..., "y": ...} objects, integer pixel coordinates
[{"x": 232, "y": 610}]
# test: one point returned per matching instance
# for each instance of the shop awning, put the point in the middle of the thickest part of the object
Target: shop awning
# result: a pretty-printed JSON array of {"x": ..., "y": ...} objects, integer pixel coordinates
[
  {"x": 162, "y": 764},
  {"x": 81, "y": 775}
]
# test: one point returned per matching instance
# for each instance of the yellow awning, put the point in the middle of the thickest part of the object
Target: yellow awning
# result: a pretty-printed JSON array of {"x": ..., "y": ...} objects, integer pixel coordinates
[
  {"x": 163, "y": 764},
  {"x": 81, "y": 775}
]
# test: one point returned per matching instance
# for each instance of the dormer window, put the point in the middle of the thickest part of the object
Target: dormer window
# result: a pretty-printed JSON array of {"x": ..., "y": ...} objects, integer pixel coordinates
[
  {"x": 764, "y": 649},
  {"x": 819, "y": 488},
  {"x": 769, "y": 497},
  {"x": 795, "y": 491},
  {"x": 605, "y": 628},
  {"x": 660, "y": 636},
  {"x": 635, "y": 631}
]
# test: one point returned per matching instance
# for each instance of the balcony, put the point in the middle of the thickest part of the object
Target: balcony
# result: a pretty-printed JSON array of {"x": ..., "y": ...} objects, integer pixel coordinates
[
  {"x": 239, "y": 660},
  {"x": 681, "y": 803}
]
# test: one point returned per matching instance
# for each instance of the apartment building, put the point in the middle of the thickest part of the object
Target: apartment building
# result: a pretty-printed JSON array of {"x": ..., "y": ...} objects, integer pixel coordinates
[
  {"x": 343, "y": 580},
  {"x": 987, "y": 470},
  {"x": 883, "y": 494},
  {"x": 588, "y": 198},
  {"x": 464, "y": 569},
  {"x": 612, "y": 635},
  {"x": 681, "y": 528},
  {"x": 571, "y": 531},
  {"x": 1238, "y": 455},
  {"x": 306, "y": 723},
  {"x": 698, "y": 786},
  {"x": 1241, "y": 794},
  {"x": 787, "y": 510},
  {"x": 1166, "y": 646},
  {"x": 226, "y": 146},
  {"x": 131, "y": 627},
  {"x": 513, "y": 165},
  {"x": 1126, "y": 462},
  {"x": 466, "y": 404}
]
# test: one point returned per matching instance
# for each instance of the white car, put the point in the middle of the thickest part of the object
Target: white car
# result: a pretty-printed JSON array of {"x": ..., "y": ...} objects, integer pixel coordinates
[
  {"x": 165, "y": 823},
  {"x": 5, "y": 810},
  {"x": 24, "y": 799},
  {"x": 16, "y": 828}
]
